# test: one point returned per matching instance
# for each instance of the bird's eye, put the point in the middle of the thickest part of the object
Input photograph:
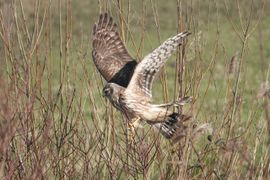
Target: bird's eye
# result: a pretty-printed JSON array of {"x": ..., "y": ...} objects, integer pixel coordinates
[{"x": 107, "y": 91}]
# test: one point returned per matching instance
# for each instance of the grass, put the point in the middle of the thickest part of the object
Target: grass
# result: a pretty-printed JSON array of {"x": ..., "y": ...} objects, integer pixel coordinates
[{"x": 55, "y": 124}]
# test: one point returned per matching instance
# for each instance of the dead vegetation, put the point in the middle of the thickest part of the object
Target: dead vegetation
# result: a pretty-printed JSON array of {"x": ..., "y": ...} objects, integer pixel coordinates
[{"x": 55, "y": 124}]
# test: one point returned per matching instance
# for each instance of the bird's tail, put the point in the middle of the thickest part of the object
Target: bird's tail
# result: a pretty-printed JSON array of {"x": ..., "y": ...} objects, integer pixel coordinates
[{"x": 177, "y": 126}]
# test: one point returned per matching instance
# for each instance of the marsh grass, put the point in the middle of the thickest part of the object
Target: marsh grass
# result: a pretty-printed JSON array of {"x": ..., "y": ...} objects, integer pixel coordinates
[{"x": 55, "y": 124}]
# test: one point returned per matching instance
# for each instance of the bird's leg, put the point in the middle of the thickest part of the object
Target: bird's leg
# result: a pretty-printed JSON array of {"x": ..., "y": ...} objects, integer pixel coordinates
[
  {"x": 131, "y": 128},
  {"x": 130, "y": 133},
  {"x": 136, "y": 122},
  {"x": 177, "y": 103}
]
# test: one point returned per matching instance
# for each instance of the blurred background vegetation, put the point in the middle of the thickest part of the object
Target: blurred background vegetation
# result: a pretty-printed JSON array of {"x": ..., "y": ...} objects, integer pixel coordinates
[{"x": 55, "y": 124}]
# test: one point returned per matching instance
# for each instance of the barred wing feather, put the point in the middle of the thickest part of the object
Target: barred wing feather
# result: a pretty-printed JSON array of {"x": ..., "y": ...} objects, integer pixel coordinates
[
  {"x": 109, "y": 52},
  {"x": 145, "y": 72}
]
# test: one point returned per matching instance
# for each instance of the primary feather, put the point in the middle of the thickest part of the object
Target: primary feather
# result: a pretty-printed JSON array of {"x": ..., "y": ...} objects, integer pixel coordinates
[
  {"x": 109, "y": 53},
  {"x": 145, "y": 72}
]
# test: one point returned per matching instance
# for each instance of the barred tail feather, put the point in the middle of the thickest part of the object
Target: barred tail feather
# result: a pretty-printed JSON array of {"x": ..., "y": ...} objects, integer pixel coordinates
[
  {"x": 176, "y": 127},
  {"x": 173, "y": 123}
]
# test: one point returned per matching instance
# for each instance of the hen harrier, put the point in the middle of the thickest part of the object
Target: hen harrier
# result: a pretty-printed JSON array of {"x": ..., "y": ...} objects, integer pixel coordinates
[{"x": 130, "y": 83}]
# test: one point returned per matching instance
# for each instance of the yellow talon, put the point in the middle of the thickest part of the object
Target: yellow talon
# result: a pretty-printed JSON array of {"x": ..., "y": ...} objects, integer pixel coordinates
[{"x": 135, "y": 122}]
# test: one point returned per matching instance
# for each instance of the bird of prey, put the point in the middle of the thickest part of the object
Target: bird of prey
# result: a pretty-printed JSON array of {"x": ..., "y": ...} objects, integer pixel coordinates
[{"x": 129, "y": 83}]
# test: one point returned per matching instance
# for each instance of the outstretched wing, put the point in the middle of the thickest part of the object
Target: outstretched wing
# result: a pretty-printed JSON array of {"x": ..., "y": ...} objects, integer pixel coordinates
[
  {"x": 142, "y": 79},
  {"x": 109, "y": 53}
]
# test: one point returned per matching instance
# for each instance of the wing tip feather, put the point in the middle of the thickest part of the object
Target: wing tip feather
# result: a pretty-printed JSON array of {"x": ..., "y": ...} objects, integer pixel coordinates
[
  {"x": 108, "y": 47},
  {"x": 185, "y": 33},
  {"x": 105, "y": 21}
]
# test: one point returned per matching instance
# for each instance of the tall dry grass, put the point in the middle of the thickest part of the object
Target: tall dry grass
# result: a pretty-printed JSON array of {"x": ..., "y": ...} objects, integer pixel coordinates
[{"x": 55, "y": 124}]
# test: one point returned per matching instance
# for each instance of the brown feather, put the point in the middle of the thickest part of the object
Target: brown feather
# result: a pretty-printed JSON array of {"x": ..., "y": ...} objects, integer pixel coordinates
[{"x": 109, "y": 53}]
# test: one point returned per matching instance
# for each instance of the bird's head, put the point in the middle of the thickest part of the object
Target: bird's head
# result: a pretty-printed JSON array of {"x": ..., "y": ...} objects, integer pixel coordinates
[{"x": 111, "y": 91}]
